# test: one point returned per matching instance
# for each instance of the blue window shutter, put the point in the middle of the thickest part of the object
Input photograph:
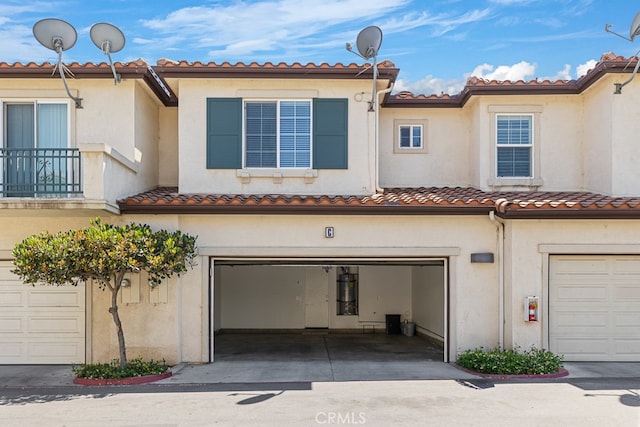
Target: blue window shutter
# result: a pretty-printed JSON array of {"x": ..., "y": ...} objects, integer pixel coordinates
[
  {"x": 330, "y": 130},
  {"x": 224, "y": 133}
]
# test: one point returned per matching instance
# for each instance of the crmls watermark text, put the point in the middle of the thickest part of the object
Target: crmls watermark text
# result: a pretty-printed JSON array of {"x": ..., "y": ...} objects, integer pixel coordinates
[{"x": 350, "y": 418}]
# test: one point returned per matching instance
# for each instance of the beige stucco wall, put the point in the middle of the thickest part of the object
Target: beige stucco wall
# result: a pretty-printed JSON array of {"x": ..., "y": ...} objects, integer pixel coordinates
[
  {"x": 531, "y": 242},
  {"x": 598, "y": 137},
  {"x": 168, "y": 147},
  {"x": 473, "y": 287},
  {"x": 625, "y": 130},
  {"x": 117, "y": 130},
  {"x": 557, "y": 145},
  {"x": 194, "y": 177},
  {"x": 446, "y": 159},
  {"x": 174, "y": 326}
]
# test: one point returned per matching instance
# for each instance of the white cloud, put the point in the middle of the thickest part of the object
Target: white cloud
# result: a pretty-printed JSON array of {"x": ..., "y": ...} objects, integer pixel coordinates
[
  {"x": 292, "y": 26},
  {"x": 430, "y": 85},
  {"x": 564, "y": 74},
  {"x": 521, "y": 71},
  {"x": 582, "y": 69}
]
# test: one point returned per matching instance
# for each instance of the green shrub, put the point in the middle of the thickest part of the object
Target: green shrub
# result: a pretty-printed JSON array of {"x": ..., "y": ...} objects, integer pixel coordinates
[
  {"x": 135, "y": 368},
  {"x": 510, "y": 362}
]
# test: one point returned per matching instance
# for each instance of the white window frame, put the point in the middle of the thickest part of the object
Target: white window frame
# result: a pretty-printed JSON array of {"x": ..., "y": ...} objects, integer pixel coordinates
[
  {"x": 535, "y": 180},
  {"x": 530, "y": 145},
  {"x": 278, "y": 103},
  {"x": 34, "y": 101},
  {"x": 400, "y": 123}
]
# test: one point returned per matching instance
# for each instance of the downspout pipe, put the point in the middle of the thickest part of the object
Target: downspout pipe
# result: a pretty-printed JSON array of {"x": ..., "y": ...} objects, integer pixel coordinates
[
  {"x": 377, "y": 137},
  {"x": 499, "y": 224}
]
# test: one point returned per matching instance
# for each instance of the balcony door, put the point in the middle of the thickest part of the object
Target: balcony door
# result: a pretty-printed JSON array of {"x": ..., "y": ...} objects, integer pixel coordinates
[{"x": 33, "y": 134}]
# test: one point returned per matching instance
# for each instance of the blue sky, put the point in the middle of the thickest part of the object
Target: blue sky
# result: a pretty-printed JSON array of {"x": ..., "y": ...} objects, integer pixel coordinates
[{"x": 437, "y": 44}]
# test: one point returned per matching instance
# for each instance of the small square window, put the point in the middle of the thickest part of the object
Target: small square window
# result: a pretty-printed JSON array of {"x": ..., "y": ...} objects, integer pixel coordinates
[{"x": 410, "y": 136}]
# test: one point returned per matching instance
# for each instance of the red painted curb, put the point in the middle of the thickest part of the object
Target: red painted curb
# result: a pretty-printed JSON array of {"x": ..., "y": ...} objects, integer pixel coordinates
[
  {"x": 122, "y": 381},
  {"x": 561, "y": 373}
]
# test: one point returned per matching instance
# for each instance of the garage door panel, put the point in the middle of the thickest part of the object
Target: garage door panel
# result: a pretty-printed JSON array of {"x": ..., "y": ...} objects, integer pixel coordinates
[
  {"x": 626, "y": 346},
  {"x": 5, "y": 271},
  {"x": 11, "y": 325},
  {"x": 595, "y": 293},
  {"x": 40, "y": 324},
  {"x": 581, "y": 266},
  {"x": 627, "y": 320},
  {"x": 11, "y": 351},
  {"x": 587, "y": 347},
  {"x": 55, "y": 297},
  {"x": 56, "y": 324},
  {"x": 12, "y": 298},
  {"x": 626, "y": 266},
  {"x": 595, "y": 318},
  {"x": 56, "y": 351},
  {"x": 626, "y": 292},
  {"x": 569, "y": 320}
]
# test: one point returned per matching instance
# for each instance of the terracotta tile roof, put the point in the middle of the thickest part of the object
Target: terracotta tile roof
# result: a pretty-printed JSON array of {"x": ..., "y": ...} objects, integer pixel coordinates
[
  {"x": 138, "y": 69},
  {"x": 184, "y": 69},
  {"x": 88, "y": 69},
  {"x": 609, "y": 63},
  {"x": 169, "y": 63},
  {"x": 434, "y": 200}
]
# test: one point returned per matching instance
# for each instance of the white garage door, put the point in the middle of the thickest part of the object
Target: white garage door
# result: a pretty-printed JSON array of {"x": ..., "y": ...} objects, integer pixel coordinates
[
  {"x": 41, "y": 324},
  {"x": 594, "y": 307}
]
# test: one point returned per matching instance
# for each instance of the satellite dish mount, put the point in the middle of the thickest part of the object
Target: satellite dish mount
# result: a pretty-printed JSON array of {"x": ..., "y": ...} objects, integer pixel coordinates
[
  {"x": 368, "y": 44},
  {"x": 108, "y": 38},
  {"x": 633, "y": 32},
  {"x": 58, "y": 35}
]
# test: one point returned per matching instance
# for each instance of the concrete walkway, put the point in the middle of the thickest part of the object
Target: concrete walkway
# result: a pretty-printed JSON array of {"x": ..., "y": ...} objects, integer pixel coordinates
[{"x": 297, "y": 358}]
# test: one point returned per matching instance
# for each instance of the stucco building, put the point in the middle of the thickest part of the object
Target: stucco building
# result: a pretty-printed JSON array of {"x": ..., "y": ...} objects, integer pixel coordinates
[{"x": 448, "y": 210}]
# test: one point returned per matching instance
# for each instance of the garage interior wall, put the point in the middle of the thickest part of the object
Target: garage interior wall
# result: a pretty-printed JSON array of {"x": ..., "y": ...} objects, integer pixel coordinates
[
  {"x": 273, "y": 296},
  {"x": 427, "y": 299}
]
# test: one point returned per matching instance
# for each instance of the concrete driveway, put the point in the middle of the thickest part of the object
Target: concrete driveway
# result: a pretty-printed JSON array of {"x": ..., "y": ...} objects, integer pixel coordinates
[{"x": 310, "y": 358}]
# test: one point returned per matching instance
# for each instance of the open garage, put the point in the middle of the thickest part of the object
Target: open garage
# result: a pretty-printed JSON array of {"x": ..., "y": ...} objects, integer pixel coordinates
[{"x": 348, "y": 296}]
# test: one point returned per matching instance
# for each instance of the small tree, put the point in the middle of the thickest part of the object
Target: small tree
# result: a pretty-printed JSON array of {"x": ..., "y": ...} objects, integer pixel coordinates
[{"x": 104, "y": 253}]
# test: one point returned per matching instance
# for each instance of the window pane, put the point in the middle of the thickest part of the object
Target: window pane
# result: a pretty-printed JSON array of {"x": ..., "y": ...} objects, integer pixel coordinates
[
  {"x": 417, "y": 137},
  {"x": 514, "y": 130},
  {"x": 295, "y": 134},
  {"x": 514, "y": 162},
  {"x": 52, "y": 126},
  {"x": 20, "y": 126},
  {"x": 261, "y": 134},
  {"x": 405, "y": 136}
]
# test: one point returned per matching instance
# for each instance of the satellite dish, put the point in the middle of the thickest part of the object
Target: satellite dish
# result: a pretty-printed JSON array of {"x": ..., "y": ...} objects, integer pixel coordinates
[
  {"x": 635, "y": 27},
  {"x": 368, "y": 44},
  {"x": 633, "y": 32},
  {"x": 369, "y": 41},
  {"x": 57, "y": 35},
  {"x": 108, "y": 38}
]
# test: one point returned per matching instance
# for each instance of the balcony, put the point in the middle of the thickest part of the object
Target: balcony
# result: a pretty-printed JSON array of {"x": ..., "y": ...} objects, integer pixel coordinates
[{"x": 40, "y": 172}]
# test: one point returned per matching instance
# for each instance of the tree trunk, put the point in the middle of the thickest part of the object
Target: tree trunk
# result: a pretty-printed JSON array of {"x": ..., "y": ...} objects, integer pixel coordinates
[{"x": 116, "y": 319}]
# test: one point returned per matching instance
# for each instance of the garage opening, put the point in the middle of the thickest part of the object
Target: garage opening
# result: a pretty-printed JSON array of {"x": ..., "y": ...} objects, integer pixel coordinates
[{"x": 382, "y": 307}]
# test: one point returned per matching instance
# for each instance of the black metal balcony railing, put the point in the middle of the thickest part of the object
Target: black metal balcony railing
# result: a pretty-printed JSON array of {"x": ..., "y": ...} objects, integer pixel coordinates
[{"x": 40, "y": 172}]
